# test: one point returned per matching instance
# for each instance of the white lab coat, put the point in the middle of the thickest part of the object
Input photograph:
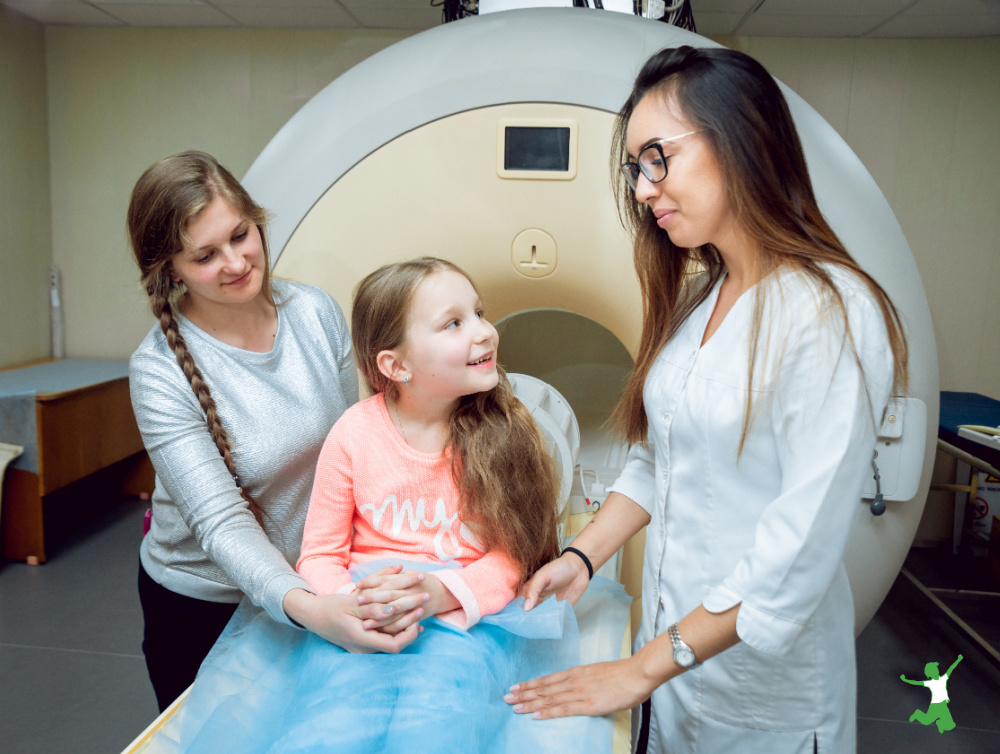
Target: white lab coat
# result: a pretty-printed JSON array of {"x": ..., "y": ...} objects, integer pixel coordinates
[{"x": 768, "y": 530}]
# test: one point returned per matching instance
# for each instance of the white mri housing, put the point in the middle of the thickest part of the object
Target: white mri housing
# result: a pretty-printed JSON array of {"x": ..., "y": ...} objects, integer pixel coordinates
[{"x": 401, "y": 157}]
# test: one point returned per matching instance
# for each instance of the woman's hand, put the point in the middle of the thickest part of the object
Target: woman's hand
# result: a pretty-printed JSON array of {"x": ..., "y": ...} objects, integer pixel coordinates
[
  {"x": 585, "y": 690},
  {"x": 566, "y": 577},
  {"x": 612, "y": 686},
  {"x": 340, "y": 620}
]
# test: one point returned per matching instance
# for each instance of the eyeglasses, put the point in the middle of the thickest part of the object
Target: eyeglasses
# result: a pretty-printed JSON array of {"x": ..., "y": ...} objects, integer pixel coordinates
[{"x": 651, "y": 162}]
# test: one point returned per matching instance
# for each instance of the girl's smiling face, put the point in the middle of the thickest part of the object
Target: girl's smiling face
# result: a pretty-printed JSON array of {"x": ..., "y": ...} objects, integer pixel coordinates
[
  {"x": 450, "y": 348},
  {"x": 691, "y": 203},
  {"x": 223, "y": 259}
]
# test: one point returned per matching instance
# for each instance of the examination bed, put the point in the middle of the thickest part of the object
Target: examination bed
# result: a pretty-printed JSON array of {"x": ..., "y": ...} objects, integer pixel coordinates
[{"x": 73, "y": 418}]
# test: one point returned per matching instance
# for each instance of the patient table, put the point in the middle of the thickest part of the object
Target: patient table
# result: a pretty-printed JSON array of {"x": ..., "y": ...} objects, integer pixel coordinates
[
  {"x": 982, "y": 454},
  {"x": 621, "y": 742}
]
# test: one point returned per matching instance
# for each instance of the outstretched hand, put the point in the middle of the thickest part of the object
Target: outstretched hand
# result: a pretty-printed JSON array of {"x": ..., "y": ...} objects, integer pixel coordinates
[
  {"x": 566, "y": 577},
  {"x": 597, "y": 689}
]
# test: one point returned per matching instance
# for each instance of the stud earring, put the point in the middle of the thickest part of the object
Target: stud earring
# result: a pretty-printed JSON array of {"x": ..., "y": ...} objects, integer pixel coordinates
[{"x": 406, "y": 381}]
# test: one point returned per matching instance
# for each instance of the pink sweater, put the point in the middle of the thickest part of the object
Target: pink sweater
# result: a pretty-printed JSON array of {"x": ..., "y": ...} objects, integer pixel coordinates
[{"x": 376, "y": 497}]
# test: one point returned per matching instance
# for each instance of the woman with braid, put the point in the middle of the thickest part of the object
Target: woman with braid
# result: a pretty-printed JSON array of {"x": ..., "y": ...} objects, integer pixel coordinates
[
  {"x": 234, "y": 391},
  {"x": 442, "y": 470}
]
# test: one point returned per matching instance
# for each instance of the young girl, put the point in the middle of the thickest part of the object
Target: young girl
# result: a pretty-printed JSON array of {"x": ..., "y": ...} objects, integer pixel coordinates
[
  {"x": 441, "y": 465},
  {"x": 443, "y": 473}
]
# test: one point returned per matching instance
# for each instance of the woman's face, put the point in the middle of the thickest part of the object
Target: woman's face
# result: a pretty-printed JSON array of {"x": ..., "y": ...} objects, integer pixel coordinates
[
  {"x": 691, "y": 204},
  {"x": 223, "y": 262}
]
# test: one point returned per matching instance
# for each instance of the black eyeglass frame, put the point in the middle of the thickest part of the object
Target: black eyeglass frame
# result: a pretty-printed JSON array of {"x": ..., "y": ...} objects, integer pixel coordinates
[{"x": 631, "y": 169}]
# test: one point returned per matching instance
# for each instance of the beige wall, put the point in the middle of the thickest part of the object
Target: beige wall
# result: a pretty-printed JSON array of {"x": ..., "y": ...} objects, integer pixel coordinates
[
  {"x": 119, "y": 99},
  {"x": 24, "y": 192},
  {"x": 921, "y": 115}
]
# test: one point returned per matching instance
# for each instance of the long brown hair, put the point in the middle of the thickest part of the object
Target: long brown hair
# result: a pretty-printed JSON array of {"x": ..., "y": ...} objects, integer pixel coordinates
[
  {"x": 166, "y": 198},
  {"x": 505, "y": 477},
  {"x": 745, "y": 120}
]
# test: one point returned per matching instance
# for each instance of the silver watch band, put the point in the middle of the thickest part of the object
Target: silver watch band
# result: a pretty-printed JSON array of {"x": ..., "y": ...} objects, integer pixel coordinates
[{"x": 683, "y": 654}]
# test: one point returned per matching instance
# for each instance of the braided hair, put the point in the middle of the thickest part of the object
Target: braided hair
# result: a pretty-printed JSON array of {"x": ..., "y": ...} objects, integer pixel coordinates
[{"x": 166, "y": 198}]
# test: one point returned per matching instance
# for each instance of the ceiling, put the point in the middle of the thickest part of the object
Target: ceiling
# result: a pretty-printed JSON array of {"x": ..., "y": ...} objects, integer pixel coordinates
[{"x": 879, "y": 19}]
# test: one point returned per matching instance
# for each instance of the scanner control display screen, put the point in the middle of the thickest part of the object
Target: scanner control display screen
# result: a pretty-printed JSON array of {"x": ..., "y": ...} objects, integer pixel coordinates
[{"x": 536, "y": 148}]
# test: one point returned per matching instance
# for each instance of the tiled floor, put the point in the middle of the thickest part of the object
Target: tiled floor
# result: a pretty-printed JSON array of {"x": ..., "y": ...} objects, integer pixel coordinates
[
  {"x": 72, "y": 677},
  {"x": 907, "y": 633}
]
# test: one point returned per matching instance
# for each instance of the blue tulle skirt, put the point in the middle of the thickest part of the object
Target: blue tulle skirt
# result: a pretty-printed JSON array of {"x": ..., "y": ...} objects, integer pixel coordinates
[{"x": 267, "y": 687}]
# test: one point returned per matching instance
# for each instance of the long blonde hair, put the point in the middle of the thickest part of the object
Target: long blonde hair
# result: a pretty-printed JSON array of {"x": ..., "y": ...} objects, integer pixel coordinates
[
  {"x": 744, "y": 118},
  {"x": 166, "y": 198},
  {"x": 505, "y": 477}
]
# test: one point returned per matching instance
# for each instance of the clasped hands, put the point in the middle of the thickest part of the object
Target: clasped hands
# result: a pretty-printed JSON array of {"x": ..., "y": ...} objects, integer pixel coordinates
[
  {"x": 391, "y": 599},
  {"x": 382, "y": 612}
]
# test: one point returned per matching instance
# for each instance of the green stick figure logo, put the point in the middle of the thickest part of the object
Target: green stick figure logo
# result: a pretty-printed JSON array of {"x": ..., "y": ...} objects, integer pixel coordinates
[{"x": 938, "y": 711}]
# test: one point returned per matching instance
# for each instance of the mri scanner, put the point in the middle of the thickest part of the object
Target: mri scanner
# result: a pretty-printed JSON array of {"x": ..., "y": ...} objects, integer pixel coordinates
[
  {"x": 486, "y": 142},
  {"x": 413, "y": 152}
]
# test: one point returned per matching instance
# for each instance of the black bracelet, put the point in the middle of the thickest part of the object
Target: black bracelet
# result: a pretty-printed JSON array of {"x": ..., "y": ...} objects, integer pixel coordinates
[{"x": 584, "y": 558}]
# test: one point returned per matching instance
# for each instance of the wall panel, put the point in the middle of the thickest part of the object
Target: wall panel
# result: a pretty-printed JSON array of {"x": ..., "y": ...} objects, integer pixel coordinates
[{"x": 25, "y": 249}]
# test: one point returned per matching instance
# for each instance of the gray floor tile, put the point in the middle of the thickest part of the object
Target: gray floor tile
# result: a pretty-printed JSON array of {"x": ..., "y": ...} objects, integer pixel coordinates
[
  {"x": 884, "y": 737},
  {"x": 85, "y": 596},
  {"x": 71, "y": 701},
  {"x": 74, "y": 679},
  {"x": 907, "y": 632}
]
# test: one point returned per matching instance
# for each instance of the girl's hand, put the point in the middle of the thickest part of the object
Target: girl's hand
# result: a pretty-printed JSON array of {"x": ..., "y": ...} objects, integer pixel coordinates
[
  {"x": 390, "y": 595},
  {"x": 335, "y": 617},
  {"x": 585, "y": 690},
  {"x": 402, "y": 596},
  {"x": 566, "y": 577},
  {"x": 387, "y": 584}
]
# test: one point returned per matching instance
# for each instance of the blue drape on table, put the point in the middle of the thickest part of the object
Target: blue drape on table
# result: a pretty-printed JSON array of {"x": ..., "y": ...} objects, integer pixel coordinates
[{"x": 267, "y": 687}]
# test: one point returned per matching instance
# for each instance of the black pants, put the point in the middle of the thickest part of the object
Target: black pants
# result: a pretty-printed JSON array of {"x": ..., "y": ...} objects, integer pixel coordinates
[
  {"x": 643, "y": 745},
  {"x": 179, "y": 631}
]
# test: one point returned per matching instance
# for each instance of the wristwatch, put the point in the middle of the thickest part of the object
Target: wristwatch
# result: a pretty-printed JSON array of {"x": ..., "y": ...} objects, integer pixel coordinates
[{"x": 683, "y": 654}]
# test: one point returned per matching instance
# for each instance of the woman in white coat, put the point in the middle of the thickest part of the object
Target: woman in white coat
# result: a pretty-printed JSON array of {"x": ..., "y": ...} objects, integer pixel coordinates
[{"x": 766, "y": 360}]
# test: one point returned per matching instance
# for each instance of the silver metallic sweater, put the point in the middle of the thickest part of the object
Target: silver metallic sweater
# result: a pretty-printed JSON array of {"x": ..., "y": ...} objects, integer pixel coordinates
[{"x": 278, "y": 408}]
